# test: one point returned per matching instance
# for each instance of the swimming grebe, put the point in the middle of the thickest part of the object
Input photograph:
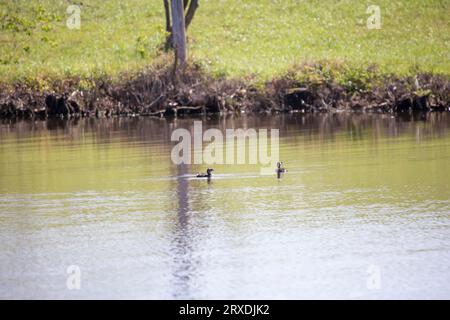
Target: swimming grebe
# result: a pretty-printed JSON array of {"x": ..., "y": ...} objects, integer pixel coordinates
[
  {"x": 208, "y": 174},
  {"x": 280, "y": 168}
]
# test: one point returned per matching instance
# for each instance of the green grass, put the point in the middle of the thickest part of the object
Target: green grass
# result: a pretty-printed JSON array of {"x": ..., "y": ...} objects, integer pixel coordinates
[{"x": 263, "y": 38}]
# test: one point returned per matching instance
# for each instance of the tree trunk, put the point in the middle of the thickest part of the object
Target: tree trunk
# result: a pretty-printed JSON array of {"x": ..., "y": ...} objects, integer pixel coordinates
[
  {"x": 168, "y": 45},
  {"x": 191, "y": 7},
  {"x": 191, "y": 12},
  {"x": 167, "y": 11},
  {"x": 178, "y": 30}
]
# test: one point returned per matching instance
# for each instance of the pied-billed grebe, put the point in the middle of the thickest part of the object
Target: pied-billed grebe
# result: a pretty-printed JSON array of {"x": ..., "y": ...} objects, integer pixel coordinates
[
  {"x": 280, "y": 168},
  {"x": 208, "y": 174}
]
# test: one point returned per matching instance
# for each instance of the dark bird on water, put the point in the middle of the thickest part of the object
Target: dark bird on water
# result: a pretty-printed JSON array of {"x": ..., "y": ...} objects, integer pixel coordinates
[
  {"x": 280, "y": 168},
  {"x": 208, "y": 174}
]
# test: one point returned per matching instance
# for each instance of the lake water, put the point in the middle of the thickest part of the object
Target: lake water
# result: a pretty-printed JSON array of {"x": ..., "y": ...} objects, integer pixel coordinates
[{"x": 363, "y": 212}]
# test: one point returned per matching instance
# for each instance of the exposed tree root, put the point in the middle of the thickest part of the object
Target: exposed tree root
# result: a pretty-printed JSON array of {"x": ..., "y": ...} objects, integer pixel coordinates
[{"x": 159, "y": 92}]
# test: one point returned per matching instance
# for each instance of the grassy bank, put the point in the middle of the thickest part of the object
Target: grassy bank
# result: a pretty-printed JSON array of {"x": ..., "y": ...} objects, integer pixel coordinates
[{"x": 262, "y": 38}]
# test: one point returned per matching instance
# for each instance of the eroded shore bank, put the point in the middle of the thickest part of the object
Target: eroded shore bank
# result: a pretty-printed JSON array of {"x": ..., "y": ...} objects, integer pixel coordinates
[{"x": 162, "y": 93}]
